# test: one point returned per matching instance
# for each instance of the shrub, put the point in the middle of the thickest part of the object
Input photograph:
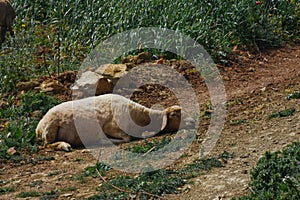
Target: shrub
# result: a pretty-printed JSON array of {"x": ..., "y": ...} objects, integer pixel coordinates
[{"x": 277, "y": 175}]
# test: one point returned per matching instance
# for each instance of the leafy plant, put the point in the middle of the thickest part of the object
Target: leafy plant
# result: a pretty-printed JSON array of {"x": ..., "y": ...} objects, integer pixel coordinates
[
  {"x": 295, "y": 95},
  {"x": 198, "y": 166},
  {"x": 92, "y": 171},
  {"x": 32, "y": 101},
  {"x": 283, "y": 113},
  {"x": 29, "y": 194},
  {"x": 4, "y": 190},
  {"x": 100, "y": 167},
  {"x": 147, "y": 145},
  {"x": 277, "y": 175},
  {"x": 20, "y": 127}
]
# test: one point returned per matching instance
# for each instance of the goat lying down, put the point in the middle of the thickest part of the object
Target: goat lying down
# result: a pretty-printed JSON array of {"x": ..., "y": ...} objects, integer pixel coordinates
[{"x": 96, "y": 119}]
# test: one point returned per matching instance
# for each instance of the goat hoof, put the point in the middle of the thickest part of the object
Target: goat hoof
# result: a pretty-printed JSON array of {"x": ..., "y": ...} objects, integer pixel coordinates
[{"x": 65, "y": 146}]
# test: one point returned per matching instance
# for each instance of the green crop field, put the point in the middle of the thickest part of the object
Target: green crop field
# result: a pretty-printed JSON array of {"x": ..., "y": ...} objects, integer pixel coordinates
[{"x": 70, "y": 29}]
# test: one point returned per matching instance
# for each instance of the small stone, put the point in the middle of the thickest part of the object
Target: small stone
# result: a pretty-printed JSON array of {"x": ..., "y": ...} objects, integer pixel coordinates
[
  {"x": 11, "y": 151},
  {"x": 66, "y": 195},
  {"x": 251, "y": 69},
  {"x": 263, "y": 89},
  {"x": 91, "y": 84},
  {"x": 226, "y": 78},
  {"x": 29, "y": 85},
  {"x": 53, "y": 87}
]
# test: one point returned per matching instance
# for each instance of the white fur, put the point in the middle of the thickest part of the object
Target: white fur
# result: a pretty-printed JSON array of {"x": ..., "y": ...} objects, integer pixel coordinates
[{"x": 97, "y": 118}]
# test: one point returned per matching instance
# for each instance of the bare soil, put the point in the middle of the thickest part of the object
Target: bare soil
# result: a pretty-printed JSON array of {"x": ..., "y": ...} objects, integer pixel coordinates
[{"x": 256, "y": 86}]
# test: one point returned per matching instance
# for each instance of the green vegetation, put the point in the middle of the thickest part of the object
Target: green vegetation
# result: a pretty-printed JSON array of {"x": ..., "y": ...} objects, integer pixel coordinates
[
  {"x": 238, "y": 121},
  {"x": 29, "y": 194},
  {"x": 295, "y": 95},
  {"x": 92, "y": 171},
  {"x": 59, "y": 34},
  {"x": 43, "y": 195},
  {"x": 4, "y": 190},
  {"x": 19, "y": 131},
  {"x": 277, "y": 175},
  {"x": 283, "y": 113},
  {"x": 147, "y": 145},
  {"x": 156, "y": 183}
]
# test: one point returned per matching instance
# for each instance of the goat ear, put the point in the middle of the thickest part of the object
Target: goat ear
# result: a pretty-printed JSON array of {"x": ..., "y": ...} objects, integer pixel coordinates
[
  {"x": 169, "y": 111},
  {"x": 164, "y": 121}
]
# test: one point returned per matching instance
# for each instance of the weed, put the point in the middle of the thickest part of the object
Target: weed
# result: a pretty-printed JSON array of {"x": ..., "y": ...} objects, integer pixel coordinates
[
  {"x": 283, "y": 113},
  {"x": 101, "y": 167},
  {"x": 53, "y": 194},
  {"x": 32, "y": 101},
  {"x": 20, "y": 130},
  {"x": 235, "y": 102},
  {"x": 157, "y": 182},
  {"x": 238, "y": 121},
  {"x": 92, "y": 171},
  {"x": 54, "y": 173},
  {"x": 295, "y": 95},
  {"x": 226, "y": 155},
  {"x": 198, "y": 166},
  {"x": 28, "y": 194},
  {"x": 44, "y": 158},
  {"x": 4, "y": 190},
  {"x": 69, "y": 189},
  {"x": 277, "y": 175},
  {"x": 35, "y": 183},
  {"x": 43, "y": 195},
  {"x": 112, "y": 195},
  {"x": 147, "y": 145}
]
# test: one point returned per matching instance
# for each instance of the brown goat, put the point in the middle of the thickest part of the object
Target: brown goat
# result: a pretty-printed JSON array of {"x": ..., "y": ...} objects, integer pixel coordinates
[{"x": 7, "y": 16}]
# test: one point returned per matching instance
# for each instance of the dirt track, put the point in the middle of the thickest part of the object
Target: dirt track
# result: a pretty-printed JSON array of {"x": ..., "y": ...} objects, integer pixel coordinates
[{"x": 262, "y": 84}]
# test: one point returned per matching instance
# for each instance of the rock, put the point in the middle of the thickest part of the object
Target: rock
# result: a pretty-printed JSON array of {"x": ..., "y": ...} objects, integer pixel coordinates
[
  {"x": 104, "y": 86},
  {"x": 36, "y": 114},
  {"x": 53, "y": 87},
  {"x": 138, "y": 59},
  {"x": 112, "y": 72},
  {"x": 11, "y": 151},
  {"x": 87, "y": 78},
  {"x": 66, "y": 195},
  {"x": 91, "y": 84}
]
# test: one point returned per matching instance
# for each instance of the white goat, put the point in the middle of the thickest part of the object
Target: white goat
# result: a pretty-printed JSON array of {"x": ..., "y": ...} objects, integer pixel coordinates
[{"x": 110, "y": 117}]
